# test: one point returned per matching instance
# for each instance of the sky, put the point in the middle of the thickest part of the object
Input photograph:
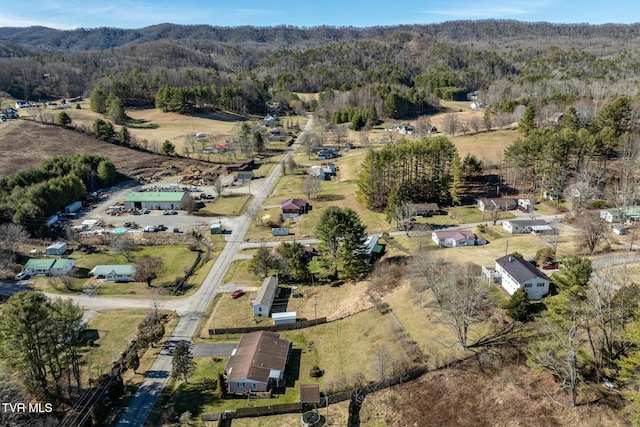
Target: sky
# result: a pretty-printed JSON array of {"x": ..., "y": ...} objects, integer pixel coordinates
[{"x": 70, "y": 14}]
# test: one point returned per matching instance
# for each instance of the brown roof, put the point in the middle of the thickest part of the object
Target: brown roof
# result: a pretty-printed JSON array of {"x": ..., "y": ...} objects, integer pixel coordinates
[
  {"x": 293, "y": 203},
  {"x": 309, "y": 393},
  {"x": 425, "y": 206},
  {"x": 256, "y": 355}
]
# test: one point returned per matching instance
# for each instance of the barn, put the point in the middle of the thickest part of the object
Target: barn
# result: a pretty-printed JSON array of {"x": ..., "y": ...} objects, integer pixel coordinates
[{"x": 159, "y": 200}]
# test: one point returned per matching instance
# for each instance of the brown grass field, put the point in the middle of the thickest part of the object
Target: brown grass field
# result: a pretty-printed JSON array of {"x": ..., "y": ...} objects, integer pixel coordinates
[{"x": 25, "y": 143}]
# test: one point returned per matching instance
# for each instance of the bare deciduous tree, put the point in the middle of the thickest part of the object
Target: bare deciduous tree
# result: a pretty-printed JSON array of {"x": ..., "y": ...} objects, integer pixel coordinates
[
  {"x": 450, "y": 124},
  {"x": 310, "y": 186},
  {"x": 12, "y": 237},
  {"x": 460, "y": 294},
  {"x": 123, "y": 246},
  {"x": 218, "y": 185},
  {"x": 592, "y": 230},
  {"x": 475, "y": 123}
]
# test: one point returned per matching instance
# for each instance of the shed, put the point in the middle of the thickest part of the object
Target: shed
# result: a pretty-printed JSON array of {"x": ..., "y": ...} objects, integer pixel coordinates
[
  {"x": 264, "y": 298},
  {"x": 244, "y": 176},
  {"x": 159, "y": 200},
  {"x": 285, "y": 318},
  {"x": 216, "y": 228},
  {"x": 58, "y": 248},
  {"x": 620, "y": 230},
  {"x": 310, "y": 394},
  {"x": 73, "y": 207}
]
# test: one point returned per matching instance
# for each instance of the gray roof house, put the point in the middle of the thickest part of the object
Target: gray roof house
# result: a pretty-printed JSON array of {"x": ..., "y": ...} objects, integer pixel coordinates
[
  {"x": 514, "y": 272},
  {"x": 258, "y": 363}
]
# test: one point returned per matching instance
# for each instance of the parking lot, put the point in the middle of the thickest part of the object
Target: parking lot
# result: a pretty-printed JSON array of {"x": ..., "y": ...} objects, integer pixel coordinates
[{"x": 154, "y": 218}]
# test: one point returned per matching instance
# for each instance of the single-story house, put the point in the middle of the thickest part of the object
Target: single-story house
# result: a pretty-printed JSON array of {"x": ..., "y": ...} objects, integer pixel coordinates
[
  {"x": 244, "y": 165},
  {"x": 522, "y": 226},
  {"x": 58, "y": 248},
  {"x": 327, "y": 154},
  {"x": 454, "y": 238},
  {"x": 158, "y": 200},
  {"x": 114, "y": 273},
  {"x": 292, "y": 208},
  {"x": 613, "y": 215},
  {"x": 244, "y": 176},
  {"x": 426, "y": 209},
  {"x": 264, "y": 298},
  {"x": 48, "y": 267},
  {"x": 515, "y": 272},
  {"x": 404, "y": 129},
  {"x": 499, "y": 203},
  {"x": 258, "y": 363},
  {"x": 372, "y": 249}
]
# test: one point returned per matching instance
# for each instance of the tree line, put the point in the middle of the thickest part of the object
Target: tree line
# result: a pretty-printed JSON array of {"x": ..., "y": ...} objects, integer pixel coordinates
[
  {"x": 28, "y": 197},
  {"x": 561, "y": 64},
  {"x": 417, "y": 171}
]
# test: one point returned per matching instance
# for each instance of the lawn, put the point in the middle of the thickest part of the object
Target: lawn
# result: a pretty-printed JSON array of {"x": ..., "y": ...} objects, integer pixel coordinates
[
  {"x": 229, "y": 205},
  {"x": 328, "y": 301},
  {"x": 176, "y": 259},
  {"x": 471, "y": 214}
]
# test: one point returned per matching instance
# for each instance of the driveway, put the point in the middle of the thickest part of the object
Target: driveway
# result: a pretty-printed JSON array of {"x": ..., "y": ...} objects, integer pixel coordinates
[{"x": 207, "y": 350}]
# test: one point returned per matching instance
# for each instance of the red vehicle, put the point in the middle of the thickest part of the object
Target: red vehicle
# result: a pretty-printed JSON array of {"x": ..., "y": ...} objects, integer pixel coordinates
[
  {"x": 549, "y": 265},
  {"x": 237, "y": 293}
]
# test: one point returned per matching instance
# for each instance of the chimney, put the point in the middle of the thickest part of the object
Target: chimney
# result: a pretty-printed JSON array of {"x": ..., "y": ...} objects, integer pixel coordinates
[{"x": 510, "y": 259}]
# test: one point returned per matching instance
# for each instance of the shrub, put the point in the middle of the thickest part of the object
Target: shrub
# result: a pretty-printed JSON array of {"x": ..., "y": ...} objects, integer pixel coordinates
[{"x": 316, "y": 372}]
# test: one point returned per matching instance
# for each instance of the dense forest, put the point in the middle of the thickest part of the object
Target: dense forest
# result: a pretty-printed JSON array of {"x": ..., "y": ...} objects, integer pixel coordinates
[{"x": 556, "y": 65}]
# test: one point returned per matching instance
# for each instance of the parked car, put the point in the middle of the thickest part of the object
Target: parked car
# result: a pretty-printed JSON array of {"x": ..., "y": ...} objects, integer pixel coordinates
[
  {"x": 150, "y": 229},
  {"x": 237, "y": 293},
  {"x": 23, "y": 275},
  {"x": 549, "y": 265},
  {"x": 161, "y": 227},
  {"x": 177, "y": 230}
]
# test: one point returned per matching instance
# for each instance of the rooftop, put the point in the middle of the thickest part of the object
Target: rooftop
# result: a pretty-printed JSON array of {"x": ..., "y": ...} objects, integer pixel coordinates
[
  {"x": 155, "y": 196},
  {"x": 520, "y": 269}
]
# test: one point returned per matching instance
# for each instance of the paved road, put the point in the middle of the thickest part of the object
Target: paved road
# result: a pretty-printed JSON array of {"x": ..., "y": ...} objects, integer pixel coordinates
[{"x": 142, "y": 402}]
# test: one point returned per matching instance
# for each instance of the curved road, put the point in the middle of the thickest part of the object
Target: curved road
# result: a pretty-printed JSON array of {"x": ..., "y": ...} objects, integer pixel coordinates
[{"x": 191, "y": 309}]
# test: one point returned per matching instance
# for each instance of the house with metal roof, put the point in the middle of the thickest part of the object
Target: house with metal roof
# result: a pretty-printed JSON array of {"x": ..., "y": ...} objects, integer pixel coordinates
[
  {"x": 114, "y": 273},
  {"x": 258, "y": 363},
  {"x": 514, "y": 272},
  {"x": 614, "y": 215},
  {"x": 524, "y": 226},
  {"x": 158, "y": 200},
  {"x": 454, "y": 238},
  {"x": 58, "y": 248},
  {"x": 264, "y": 298},
  {"x": 49, "y": 266}
]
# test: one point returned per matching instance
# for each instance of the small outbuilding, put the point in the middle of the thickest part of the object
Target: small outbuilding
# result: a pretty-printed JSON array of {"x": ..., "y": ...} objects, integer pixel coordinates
[
  {"x": 285, "y": 318},
  {"x": 58, "y": 248},
  {"x": 216, "y": 228},
  {"x": 620, "y": 230}
]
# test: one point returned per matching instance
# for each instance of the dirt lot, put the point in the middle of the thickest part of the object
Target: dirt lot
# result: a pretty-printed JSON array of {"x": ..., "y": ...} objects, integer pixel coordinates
[{"x": 24, "y": 143}]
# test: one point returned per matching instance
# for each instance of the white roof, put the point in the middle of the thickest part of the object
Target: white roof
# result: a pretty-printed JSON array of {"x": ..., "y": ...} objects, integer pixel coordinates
[{"x": 284, "y": 316}]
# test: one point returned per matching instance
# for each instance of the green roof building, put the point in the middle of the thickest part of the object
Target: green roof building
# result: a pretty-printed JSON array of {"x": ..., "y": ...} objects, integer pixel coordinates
[
  {"x": 114, "y": 273},
  {"x": 162, "y": 200},
  {"x": 50, "y": 267}
]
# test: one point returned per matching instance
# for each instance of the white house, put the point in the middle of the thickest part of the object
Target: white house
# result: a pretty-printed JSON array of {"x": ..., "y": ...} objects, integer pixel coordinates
[
  {"x": 613, "y": 215},
  {"x": 49, "y": 267},
  {"x": 499, "y": 203},
  {"x": 258, "y": 363},
  {"x": 58, "y": 248},
  {"x": 114, "y": 273},
  {"x": 264, "y": 298},
  {"x": 454, "y": 238},
  {"x": 515, "y": 272},
  {"x": 523, "y": 226}
]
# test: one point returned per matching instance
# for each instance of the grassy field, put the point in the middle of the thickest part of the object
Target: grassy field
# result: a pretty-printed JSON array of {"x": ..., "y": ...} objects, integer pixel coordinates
[
  {"x": 229, "y": 205},
  {"x": 332, "y": 302},
  {"x": 176, "y": 259}
]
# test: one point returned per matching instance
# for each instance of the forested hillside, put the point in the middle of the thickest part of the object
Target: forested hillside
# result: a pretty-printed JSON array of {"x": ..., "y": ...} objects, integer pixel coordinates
[{"x": 504, "y": 60}]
